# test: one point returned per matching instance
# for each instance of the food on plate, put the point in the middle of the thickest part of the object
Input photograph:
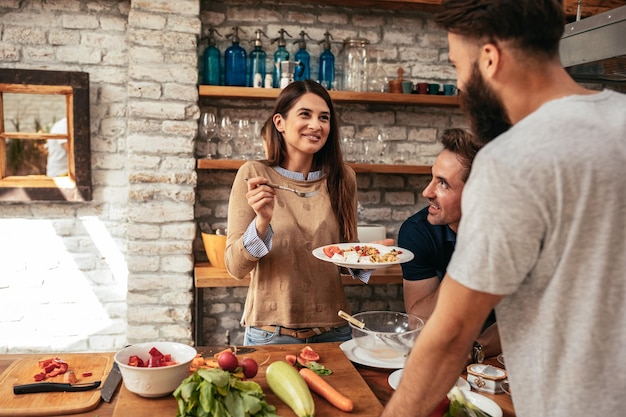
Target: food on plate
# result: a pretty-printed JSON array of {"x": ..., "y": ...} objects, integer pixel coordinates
[
  {"x": 461, "y": 407},
  {"x": 156, "y": 360},
  {"x": 330, "y": 251},
  {"x": 290, "y": 388},
  {"x": 215, "y": 392},
  {"x": 317, "y": 384},
  {"x": 361, "y": 253}
]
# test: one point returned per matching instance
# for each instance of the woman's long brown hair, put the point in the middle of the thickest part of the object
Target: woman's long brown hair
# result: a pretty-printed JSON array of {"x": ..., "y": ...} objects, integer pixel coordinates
[{"x": 329, "y": 159}]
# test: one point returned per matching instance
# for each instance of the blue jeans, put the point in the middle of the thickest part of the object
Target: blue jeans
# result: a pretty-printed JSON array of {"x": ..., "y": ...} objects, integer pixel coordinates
[{"x": 255, "y": 336}]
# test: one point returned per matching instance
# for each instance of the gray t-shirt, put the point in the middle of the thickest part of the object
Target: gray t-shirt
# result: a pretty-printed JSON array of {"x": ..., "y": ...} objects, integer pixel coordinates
[{"x": 544, "y": 222}]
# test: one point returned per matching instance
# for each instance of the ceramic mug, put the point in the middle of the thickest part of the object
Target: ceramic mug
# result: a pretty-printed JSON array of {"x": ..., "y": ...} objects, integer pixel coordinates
[
  {"x": 407, "y": 87},
  {"x": 433, "y": 89},
  {"x": 422, "y": 88},
  {"x": 449, "y": 90}
]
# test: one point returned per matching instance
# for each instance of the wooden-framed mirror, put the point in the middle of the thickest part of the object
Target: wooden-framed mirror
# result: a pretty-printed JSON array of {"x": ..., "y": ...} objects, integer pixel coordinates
[{"x": 31, "y": 101}]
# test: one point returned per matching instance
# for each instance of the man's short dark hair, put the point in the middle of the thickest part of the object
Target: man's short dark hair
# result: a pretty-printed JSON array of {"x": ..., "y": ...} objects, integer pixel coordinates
[
  {"x": 532, "y": 26},
  {"x": 462, "y": 144}
]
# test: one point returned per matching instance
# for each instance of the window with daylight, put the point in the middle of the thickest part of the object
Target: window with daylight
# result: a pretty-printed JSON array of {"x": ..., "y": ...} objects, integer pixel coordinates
[{"x": 44, "y": 136}]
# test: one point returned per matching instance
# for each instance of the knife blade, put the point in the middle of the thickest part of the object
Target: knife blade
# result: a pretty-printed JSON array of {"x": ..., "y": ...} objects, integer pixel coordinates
[
  {"x": 53, "y": 387},
  {"x": 111, "y": 383},
  {"x": 237, "y": 350}
]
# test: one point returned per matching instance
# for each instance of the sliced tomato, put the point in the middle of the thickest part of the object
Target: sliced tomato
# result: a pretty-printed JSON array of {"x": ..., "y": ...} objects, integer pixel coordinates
[
  {"x": 291, "y": 359},
  {"x": 331, "y": 250},
  {"x": 307, "y": 353},
  {"x": 302, "y": 362}
]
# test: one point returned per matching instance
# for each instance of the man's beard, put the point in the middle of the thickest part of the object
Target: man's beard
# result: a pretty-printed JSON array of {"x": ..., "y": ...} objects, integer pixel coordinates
[{"x": 487, "y": 116}]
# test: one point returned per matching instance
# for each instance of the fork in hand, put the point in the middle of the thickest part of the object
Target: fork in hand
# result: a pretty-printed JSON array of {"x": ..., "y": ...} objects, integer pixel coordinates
[{"x": 298, "y": 193}]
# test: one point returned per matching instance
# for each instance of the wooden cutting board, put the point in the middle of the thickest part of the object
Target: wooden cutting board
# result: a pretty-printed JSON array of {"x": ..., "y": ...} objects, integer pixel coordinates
[
  {"x": 53, "y": 403},
  {"x": 345, "y": 378}
]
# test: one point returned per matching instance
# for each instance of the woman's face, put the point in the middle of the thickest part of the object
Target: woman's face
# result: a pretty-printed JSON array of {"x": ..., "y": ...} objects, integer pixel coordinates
[{"x": 306, "y": 126}]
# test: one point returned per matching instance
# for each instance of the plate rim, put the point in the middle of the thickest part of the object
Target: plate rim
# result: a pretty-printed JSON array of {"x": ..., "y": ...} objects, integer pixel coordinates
[
  {"x": 470, "y": 394},
  {"x": 319, "y": 254},
  {"x": 465, "y": 386},
  {"x": 349, "y": 345}
]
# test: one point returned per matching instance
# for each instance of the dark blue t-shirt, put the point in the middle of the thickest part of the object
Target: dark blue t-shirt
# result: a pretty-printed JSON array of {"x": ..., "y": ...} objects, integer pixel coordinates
[{"x": 432, "y": 246}]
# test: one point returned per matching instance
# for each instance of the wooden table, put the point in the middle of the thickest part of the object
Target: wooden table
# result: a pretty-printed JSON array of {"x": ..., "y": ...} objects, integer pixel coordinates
[{"x": 376, "y": 380}]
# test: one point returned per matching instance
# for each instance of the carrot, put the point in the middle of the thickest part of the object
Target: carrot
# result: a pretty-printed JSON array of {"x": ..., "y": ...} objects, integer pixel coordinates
[{"x": 317, "y": 384}]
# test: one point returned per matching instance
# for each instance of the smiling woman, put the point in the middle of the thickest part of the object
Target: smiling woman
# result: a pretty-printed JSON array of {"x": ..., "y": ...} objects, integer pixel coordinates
[{"x": 71, "y": 90}]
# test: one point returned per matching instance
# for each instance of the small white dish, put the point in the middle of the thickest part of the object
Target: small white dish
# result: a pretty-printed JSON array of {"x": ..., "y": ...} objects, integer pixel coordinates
[
  {"x": 394, "y": 381},
  {"x": 363, "y": 262},
  {"x": 485, "y": 404},
  {"x": 362, "y": 357}
]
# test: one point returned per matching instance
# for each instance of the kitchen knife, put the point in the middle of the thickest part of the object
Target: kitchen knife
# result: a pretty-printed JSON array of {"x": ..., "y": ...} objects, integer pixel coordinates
[
  {"x": 111, "y": 383},
  {"x": 212, "y": 350},
  {"x": 53, "y": 387}
]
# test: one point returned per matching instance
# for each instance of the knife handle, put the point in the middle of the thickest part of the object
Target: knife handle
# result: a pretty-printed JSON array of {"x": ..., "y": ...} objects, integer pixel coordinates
[{"x": 53, "y": 387}]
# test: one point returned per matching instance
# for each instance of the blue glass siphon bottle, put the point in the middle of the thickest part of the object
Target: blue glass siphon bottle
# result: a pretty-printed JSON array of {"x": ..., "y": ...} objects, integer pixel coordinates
[
  {"x": 235, "y": 61},
  {"x": 304, "y": 71},
  {"x": 280, "y": 55},
  {"x": 256, "y": 62},
  {"x": 326, "y": 74},
  {"x": 211, "y": 59}
]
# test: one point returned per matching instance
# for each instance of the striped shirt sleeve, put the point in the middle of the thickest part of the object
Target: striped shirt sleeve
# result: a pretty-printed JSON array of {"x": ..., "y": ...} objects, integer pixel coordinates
[{"x": 254, "y": 244}]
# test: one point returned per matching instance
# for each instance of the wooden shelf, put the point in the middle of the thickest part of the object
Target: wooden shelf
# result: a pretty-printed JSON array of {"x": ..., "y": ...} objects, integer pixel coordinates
[
  {"x": 249, "y": 93},
  {"x": 207, "y": 276},
  {"x": 415, "y": 5},
  {"x": 234, "y": 164}
]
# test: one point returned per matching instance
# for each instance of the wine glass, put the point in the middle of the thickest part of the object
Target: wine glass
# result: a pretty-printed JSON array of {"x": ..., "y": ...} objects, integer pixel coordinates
[
  {"x": 242, "y": 138},
  {"x": 207, "y": 130},
  {"x": 381, "y": 147},
  {"x": 257, "y": 141},
  {"x": 377, "y": 80},
  {"x": 224, "y": 147}
]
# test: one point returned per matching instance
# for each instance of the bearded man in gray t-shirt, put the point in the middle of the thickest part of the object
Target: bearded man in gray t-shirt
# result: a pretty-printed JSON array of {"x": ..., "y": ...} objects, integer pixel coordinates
[{"x": 543, "y": 233}]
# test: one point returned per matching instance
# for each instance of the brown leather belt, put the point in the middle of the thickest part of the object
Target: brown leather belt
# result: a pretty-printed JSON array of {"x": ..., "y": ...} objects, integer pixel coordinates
[{"x": 297, "y": 333}]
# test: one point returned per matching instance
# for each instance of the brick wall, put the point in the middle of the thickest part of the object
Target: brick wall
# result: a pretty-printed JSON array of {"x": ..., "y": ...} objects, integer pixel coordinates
[
  {"x": 118, "y": 269},
  {"x": 387, "y": 199}
]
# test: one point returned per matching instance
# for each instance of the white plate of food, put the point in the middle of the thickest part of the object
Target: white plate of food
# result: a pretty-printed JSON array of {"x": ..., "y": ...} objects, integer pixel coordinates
[
  {"x": 363, "y": 357},
  {"x": 394, "y": 381},
  {"x": 363, "y": 255}
]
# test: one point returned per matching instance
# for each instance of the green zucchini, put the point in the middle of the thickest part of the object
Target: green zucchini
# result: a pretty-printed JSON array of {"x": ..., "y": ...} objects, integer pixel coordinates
[{"x": 289, "y": 386}]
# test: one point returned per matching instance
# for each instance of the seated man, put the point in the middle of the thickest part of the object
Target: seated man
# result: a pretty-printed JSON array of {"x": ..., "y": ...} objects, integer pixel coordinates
[{"x": 431, "y": 234}]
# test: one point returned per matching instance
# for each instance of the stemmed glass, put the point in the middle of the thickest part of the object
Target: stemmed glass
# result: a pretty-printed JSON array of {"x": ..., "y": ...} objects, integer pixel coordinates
[
  {"x": 207, "y": 130},
  {"x": 242, "y": 139},
  {"x": 224, "y": 147},
  {"x": 377, "y": 80},
  {"x": 257, "y": 141},
  {"x": 381, "y": 147}
]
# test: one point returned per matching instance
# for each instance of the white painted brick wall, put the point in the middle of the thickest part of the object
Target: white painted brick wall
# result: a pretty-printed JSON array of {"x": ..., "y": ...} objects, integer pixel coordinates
[{"x": 135, "y": 275}]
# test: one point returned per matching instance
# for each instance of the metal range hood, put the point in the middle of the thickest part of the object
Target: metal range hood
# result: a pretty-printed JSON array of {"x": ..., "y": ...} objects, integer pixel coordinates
[{"x": 593, "y": 50}]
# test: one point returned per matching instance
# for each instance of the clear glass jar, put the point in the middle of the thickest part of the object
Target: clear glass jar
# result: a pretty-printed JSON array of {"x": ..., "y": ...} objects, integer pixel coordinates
[
  {"x": 377, "y": 80},
  {"x": 354, "y": 64}
]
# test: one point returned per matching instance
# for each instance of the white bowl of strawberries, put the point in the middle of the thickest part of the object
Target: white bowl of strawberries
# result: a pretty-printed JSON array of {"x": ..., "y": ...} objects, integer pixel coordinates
[{"x": 154, "y": 369}]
